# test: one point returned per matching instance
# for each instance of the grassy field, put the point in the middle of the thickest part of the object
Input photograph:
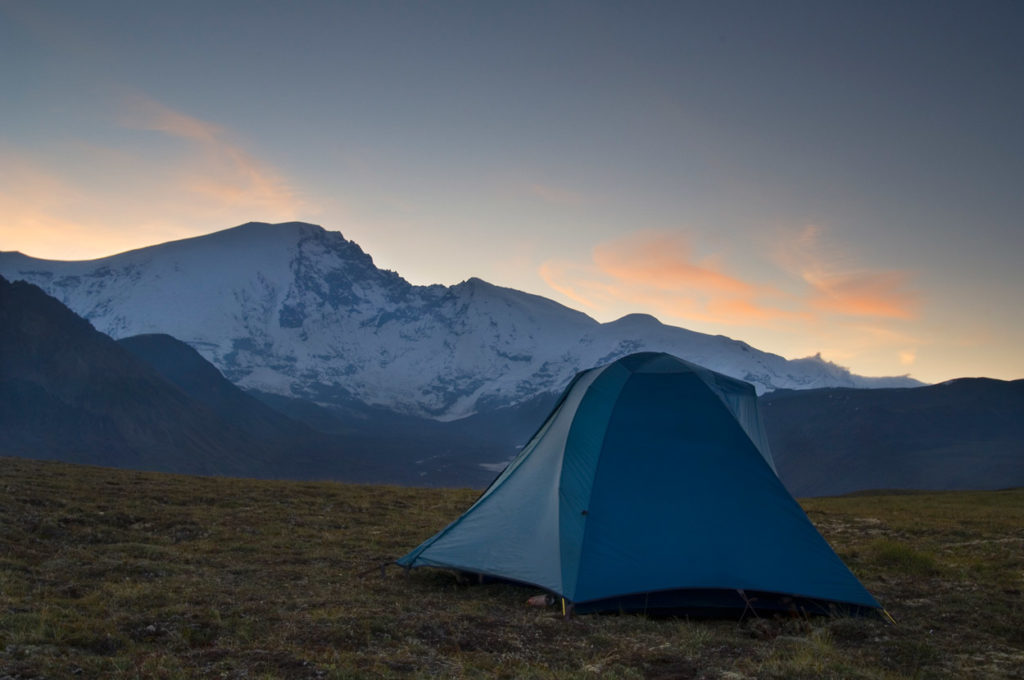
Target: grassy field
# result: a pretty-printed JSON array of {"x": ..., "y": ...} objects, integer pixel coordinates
[{"x": 117, "y": 574}]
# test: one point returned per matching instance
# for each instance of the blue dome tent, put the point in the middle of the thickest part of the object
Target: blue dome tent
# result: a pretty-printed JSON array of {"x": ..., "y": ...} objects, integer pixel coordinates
[{"x": 650, "y": 487}]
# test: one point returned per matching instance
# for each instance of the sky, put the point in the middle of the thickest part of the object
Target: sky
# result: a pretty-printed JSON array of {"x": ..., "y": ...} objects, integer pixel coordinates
[{"x": 842, "y": 178}]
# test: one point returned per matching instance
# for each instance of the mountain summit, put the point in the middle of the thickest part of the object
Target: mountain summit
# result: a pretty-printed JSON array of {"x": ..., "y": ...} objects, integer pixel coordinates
[{"x": 295, "y": 310}]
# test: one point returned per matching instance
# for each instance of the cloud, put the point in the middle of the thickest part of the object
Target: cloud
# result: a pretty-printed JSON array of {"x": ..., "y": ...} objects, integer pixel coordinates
[
  {"x": 810, "y": 296},
  {"x": 75, "y": 199},
  {"x": 215, "y": 169},
  {"x": 143, "y": 113},
  {"x": 572, "y": 281},
  {"x": 838, "y": 286},
  {"x": 658, "y": 271},
  {"x": 866, "y": 294},
  {"x": 738, "y": 310},
  {"x": 591, "y": 288},
  {"x": 664, "y": 261}
]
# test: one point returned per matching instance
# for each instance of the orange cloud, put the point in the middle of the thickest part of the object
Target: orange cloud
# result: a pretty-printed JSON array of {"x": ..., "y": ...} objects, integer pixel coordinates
[
  {"x": 221, "y": 171},
  {"x": 868, "y": 294},
  {"x": 823, "y": 302},
  {"x": 143, "y": 113},
  {"x": 838, "y": 286},
  {"x": 657, "y": 271},
  {"x": 554, "y": 274},
  {"x": 579, "y": 283},
  {"x": 745, "y": 311},
  {"x": 94, "y": 201},
  {"x": 664, "y": 260}
]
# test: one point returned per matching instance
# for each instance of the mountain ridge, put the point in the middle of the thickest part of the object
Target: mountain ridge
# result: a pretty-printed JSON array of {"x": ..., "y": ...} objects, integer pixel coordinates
[
  {"x": 71, "y": 393},
  {"x": 68, "y": 392},
  {"x": 966, "y": 433},
  {"x": 299, "y": 311}
]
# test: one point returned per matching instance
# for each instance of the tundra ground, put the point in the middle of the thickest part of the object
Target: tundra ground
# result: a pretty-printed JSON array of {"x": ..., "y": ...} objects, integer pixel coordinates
[{"x": 118, "y": 574}]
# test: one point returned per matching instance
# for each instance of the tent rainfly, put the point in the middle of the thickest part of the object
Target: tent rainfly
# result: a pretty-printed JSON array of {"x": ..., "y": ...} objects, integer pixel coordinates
[{"x": 650, "y": 487}]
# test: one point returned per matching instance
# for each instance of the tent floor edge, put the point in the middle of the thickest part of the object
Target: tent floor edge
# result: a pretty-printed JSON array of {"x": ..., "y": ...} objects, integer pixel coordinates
[{"x": 724, "y": 603}]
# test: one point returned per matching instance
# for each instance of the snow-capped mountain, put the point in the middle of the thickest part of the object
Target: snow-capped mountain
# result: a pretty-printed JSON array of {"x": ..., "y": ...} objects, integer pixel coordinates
[{"x": 295, "y": 310}]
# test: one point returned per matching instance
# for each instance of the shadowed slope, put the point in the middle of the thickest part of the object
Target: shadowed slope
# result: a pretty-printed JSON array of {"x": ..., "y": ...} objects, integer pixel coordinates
[{"x": 963, "y": 434}]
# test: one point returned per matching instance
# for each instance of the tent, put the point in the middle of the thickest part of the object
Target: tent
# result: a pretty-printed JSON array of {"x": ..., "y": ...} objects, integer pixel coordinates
[{"x": 650, "y": 486}]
